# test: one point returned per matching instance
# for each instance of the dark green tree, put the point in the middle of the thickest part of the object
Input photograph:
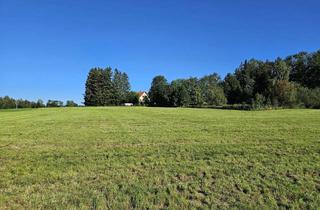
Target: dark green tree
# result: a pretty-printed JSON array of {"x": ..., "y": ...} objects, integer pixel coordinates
[
  {"x": 245, "y": 76},
  {"x": 313, "y": 73},
  {"x": 107, "y": 94},
  {"x": 121, "y": 85},
  {"x": 100, "y": 90},
  {"x": 179, "y": 95},
  {"x": 159, "y": 92},
  {"x": 232, "y": 89},
  {"x": 92, "y": 87}
]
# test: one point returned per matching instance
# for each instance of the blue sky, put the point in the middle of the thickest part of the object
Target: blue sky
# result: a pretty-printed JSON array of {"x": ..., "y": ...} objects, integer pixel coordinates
[{"x": 48, "y": 46}]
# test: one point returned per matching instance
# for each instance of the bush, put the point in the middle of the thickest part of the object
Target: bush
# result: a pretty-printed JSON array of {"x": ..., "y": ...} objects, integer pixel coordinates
[
  {"x": 237, "y": 107},
  {"x": 259, "y": 101},
  {"x": 309, "y": 98},
  {"x": 285, "y": 94}
]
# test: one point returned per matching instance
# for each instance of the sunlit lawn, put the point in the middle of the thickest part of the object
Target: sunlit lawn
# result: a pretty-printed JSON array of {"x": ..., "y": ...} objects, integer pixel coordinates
[{"x": 170, "y": 158}]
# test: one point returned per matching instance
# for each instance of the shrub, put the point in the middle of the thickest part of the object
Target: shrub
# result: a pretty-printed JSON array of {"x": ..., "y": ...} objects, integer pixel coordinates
[
  {"x": 259, "y": 101},
  {"x": 310, "y": 98},
  {"x": 285, "y": 93}
]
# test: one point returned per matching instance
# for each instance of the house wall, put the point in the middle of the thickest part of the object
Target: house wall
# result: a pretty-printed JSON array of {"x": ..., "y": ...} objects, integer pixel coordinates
[{"x": 142, "y": 97}]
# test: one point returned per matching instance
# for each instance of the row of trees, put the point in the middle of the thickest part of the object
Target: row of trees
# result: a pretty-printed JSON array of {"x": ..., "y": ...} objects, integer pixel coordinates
[
  {"x": 186, "y": 92},
  {"x": 10, "y": 103},
  {"x": 289, "y": 82},
  {"x": 56, "y": 103},
  {"x": 293, "y": 81},
  {"x": 105, "y": 87}
]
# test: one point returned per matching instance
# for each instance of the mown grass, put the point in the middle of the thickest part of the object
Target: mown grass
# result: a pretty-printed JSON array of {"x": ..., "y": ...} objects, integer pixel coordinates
[{"x": 159, "y": 158}]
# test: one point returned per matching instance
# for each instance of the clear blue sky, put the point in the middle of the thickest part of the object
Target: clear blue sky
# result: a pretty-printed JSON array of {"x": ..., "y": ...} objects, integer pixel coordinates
[{"x": 48, "y": 46}]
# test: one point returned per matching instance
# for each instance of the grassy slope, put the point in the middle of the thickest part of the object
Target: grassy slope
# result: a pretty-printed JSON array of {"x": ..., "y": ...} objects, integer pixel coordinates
[{"x": 122, "y": 158}]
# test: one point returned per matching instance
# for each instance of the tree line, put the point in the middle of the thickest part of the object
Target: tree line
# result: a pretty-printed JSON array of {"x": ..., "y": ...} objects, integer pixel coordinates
[
  {"x": 11, "y": 103},
  {"x": 290, "y": 82},
  {"x": 105, "y": 87}
]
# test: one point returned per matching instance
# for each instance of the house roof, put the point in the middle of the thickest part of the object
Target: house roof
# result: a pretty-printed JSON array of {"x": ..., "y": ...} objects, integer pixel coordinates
[{"x": 140, "y": 93}]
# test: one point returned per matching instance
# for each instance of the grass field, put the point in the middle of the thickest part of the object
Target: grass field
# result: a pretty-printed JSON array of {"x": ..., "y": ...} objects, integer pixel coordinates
[{"x": 159, "y": 158}]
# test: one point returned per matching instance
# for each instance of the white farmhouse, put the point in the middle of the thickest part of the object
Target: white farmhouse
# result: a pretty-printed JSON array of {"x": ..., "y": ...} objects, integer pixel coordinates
[{"x": 142, "y": 95}]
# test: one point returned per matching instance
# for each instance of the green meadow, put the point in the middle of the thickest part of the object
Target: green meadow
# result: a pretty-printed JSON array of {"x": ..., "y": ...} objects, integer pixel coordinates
[{"x": 159, "y": 158}]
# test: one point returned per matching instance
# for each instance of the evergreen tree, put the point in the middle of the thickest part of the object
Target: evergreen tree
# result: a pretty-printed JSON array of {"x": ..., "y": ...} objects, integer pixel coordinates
[
  {"x": 100, "y": 90},
  {"x": 121, "y": 85},
  {"x": 92, "y": 88},
  {"x": 107, "y": 93}
]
